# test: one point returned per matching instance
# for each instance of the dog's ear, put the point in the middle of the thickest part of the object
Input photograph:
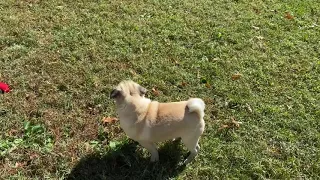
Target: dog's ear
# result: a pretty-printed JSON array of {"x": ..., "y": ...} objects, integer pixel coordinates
[
  {"x": 114, "y": 93},
  {"x": 142, "y": 90}
]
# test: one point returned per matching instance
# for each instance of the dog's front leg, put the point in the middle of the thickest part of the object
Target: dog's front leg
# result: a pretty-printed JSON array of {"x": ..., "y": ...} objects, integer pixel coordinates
[{"x": 151, "y": 147}]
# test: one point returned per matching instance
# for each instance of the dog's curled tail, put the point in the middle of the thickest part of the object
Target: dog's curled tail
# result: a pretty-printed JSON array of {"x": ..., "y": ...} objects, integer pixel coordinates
[{"x": 196, "y": 105}]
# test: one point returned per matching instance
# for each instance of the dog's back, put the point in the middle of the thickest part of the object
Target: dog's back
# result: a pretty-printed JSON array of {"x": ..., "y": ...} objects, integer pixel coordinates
[{"x": 165, "y": 121}]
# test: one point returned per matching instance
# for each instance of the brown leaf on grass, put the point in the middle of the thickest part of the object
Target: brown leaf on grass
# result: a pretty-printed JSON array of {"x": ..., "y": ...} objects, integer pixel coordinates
[
  {"x": 223, "y": 126},
  {"x": 182, "y": 85},
  {"x": 235, "y": 123},
  {"x": 236, "y": 76},
  {"x": 208, "y": 100},
  {"x": 155, "y": 91},
  {"x": 13, "y": 132},
  {"x": 274, "y": 150},
  {"x": 20, "y": 164},
  {"x": 232, "y": 124},
  {"x": 109, "y": 119},
  {"x": 208, "y": 85},
  {"x": 8, "y": 169},
  {"x": 33, "y": 156},
  {"x": 288, "y": 16}
]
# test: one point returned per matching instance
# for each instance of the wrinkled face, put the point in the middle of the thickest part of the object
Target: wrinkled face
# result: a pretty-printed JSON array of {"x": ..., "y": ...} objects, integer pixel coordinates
[{"x": 127, "y": 88}]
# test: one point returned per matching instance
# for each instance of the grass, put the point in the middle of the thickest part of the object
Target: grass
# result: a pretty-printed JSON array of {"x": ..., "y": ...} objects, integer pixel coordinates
[{"x": 62, "y": 58}]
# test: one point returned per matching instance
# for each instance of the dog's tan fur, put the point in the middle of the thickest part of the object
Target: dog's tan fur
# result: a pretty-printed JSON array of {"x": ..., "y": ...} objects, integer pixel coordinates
[{"x": 149, "y": 121}]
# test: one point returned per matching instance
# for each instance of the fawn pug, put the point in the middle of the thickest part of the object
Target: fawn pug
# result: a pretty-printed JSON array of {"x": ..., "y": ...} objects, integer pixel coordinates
[{"x": 148, "y": 122}]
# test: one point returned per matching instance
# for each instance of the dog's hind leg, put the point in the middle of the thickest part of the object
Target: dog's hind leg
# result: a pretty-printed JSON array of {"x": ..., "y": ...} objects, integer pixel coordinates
[
  {"x": 191, "y": 142},
  {"x": 192, "y": 145},
  {"x": 151, "y": 147}
]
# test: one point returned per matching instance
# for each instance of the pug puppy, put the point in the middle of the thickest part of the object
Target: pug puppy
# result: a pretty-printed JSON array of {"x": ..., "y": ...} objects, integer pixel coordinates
[{"x": 148, "y": 122}]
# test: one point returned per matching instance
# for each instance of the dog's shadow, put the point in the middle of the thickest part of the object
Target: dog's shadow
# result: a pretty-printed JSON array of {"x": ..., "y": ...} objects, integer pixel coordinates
[{"x": 127, "y": 162}]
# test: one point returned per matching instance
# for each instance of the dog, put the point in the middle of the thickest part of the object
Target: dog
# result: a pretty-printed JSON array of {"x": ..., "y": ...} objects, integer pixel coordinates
[{"x": 148, "y": 122}]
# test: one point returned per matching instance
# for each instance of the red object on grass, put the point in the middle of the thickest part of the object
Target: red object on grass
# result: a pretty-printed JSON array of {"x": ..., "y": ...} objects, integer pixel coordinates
[{"x": 4, "y": 87}]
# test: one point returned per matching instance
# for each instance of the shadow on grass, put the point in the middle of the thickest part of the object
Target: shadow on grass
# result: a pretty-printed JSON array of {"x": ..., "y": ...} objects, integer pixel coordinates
[{"x": 127, "y": 162}]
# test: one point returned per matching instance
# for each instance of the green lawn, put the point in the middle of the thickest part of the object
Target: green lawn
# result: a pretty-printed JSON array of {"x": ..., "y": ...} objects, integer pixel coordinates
[{"x": 62, "y": 58}]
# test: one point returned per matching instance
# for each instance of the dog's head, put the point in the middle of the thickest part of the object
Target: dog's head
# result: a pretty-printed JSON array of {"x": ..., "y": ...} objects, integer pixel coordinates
[{"x": 127, "y": 89}]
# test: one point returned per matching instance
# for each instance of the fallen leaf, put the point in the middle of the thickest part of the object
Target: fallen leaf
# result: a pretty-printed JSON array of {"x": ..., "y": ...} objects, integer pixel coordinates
[
  {"x": 182, "y": 85},
  {"x": 236, "y": 76},
  {"x": 13, "y": 132},
  {"x": 223, "y": 126},
  {"x": 208, "y": 85},
  {"x": 288, "y": 15},
  {"x": 109, "y": 119},
  {"x": 274, "y": 150},
  {"x": 155, "y": 91},
  {"x": 229, "y": 125},
  {"x": 20, "y": 164},
  {"x": 235, "y": 123},
  {"x": 208, "y": 100},
  {"x": 33, "y": 156}
]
